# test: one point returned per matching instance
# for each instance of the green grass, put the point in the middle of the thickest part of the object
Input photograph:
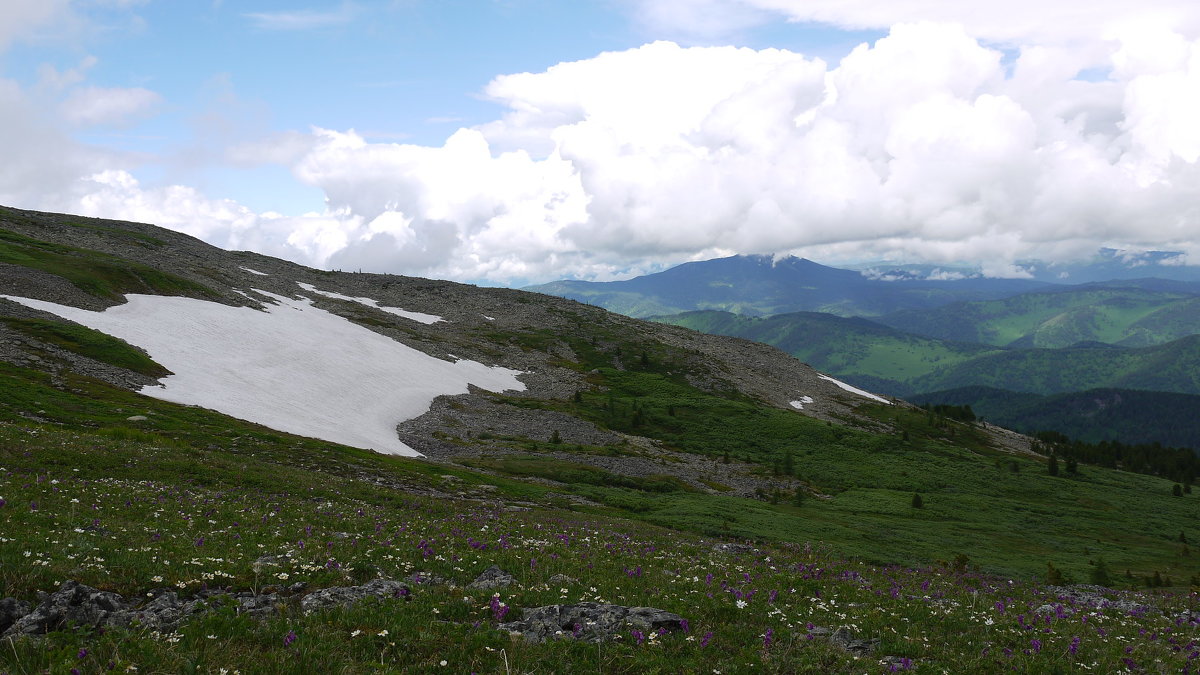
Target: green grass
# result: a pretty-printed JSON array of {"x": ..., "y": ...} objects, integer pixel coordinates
[
  {"x": 93, "y": 272},
  {"x": 130, "y": 514},
  {"x": 87, "y": 342},
  {"x": 190, "y": 499}
]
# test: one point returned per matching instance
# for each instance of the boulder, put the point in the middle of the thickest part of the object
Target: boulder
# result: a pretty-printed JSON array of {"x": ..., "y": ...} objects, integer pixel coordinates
[
  {"x": 11, "y": 610},
  {"x": 341, "y": 596},
  {"x": 847, "y": 640},
  {"x": 72, "y": 604},
  {"x": 590, "y": 621},
  {"x": 163, "y": 613},
  {"x": 258, "y": 606},
  {"x": 491, "y": 578}
]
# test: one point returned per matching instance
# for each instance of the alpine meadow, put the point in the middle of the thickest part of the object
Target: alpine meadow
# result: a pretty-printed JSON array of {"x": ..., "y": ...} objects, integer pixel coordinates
[{"x": 623, "y": 337}]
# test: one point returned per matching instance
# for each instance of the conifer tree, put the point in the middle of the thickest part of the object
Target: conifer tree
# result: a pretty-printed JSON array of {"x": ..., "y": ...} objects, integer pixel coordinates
[
  {"x": 917, "y": 502},
  {"x": 1099, "y": 574},
  {"x": 1053, "y": 576},
  {"x": 1053, "y": 466}
]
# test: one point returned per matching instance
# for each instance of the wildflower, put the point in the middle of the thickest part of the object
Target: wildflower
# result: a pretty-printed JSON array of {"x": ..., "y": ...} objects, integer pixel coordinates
[
  {"x": 705, "y": 640},
  {"x": 767, "y": 638},
  {"x": 82, "y": 653},
  {"x": 638, "y": 636},
  {"x": 683, "y": 624},
  {"x": 382, "y": 633},
  {"x": 442, "y": 663},
  {"x": 1074, "y": 646},
  {"x": 290, "y": 638},
  {"x": 741, "y": 604},
  {"x": 355, "y": 633}
]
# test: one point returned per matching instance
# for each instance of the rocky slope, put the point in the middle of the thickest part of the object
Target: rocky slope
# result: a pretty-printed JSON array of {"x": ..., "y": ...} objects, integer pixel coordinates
[{"x": 90, "y": 263}]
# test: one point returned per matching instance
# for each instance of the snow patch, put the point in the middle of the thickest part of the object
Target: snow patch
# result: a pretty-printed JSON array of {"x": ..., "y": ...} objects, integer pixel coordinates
[
  {"x": 261, "y": 274},
  {"x": 292, "y": 366},
  {"x": 489, "y": 318},
  {"x": 855, "y": 390},
  {"x": 804, "y": 400},
  {"x": 415, "y": 316}
]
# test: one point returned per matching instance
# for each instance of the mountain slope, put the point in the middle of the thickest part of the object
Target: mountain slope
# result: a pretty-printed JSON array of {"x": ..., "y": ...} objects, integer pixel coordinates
[
  {"x": 635, "y": 452},
  {"x": 1172, "y": 367},
  {"x": 1129, "y": 416},
  {"x": 760, "y": 285},
  {"x": 617, "y": 476},
  {"x": 855, "y": 349},
  {"x": 900, "y": 364},
  {"x": 1128, "y": 316}
]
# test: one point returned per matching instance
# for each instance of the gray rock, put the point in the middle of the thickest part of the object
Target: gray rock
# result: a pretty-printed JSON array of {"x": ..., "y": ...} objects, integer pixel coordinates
[
  {"x": 1098, "y": 596},
  {"x": 734, "y": 549},
  {"x": 493, "y": 577},
  {"x": 11, "y": 610},
  {"x": 72, "y": 604},
  {"x": 847, "y": 640},
  {"x": 562, "y": 580},
  {"x": 163, "y": 613},
  {"x": 1052, "y": 610},
  {"x": 341, "y": 596},
  {"x": 257, "y": 605},
  {"x": 590, "y": 622}
]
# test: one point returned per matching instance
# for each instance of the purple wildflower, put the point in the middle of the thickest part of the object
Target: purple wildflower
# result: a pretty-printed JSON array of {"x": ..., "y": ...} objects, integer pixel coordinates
[
  {"x": 767, "y": 638},
  {"x": 290, "y": 638},
  {"x": 704, "y": 640},
  {"x": 638, "y": 636},
  {"x": 683, "y": 624},
  {"x": 1074, "y": 646}
]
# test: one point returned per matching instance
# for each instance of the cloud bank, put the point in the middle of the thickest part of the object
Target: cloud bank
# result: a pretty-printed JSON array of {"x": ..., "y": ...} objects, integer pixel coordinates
[{"x": 929, "y": 145}]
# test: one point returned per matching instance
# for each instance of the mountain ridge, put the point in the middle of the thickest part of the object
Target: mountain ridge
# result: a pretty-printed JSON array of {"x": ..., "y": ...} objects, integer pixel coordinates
[{"x": 762, "y": 285}]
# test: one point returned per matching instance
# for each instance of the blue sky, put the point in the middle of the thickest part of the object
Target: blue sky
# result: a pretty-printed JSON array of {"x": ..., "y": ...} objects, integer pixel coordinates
[{"x": 400, "y": 135}]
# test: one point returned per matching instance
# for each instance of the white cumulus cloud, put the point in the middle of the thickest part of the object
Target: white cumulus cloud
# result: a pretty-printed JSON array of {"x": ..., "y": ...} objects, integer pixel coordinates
[
  {"x": 109, "y": 106},
  {"x": 928, "y": 145}
]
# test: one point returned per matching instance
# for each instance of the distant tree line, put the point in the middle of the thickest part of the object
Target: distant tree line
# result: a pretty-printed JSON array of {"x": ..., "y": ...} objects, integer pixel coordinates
[
  {"x": 962, "y": 413},
  {"x": 1181, "y": 465}
]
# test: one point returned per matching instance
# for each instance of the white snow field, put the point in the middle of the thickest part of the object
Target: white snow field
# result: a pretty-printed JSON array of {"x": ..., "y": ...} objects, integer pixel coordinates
[
  {"x": 799, "y": 405},
  {"x": 292, "y": 367},
  {"x": 855, "y": 390},
  {"x": 415, "y": 316},
  {"x": 261, "y": 274}
]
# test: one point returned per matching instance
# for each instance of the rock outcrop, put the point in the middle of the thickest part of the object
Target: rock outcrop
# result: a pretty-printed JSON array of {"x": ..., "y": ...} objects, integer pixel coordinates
[{"x": 590, "y": 622}]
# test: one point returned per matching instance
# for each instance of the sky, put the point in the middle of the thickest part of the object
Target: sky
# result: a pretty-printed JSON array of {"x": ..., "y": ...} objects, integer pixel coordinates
[{"x": 508, "y": 142}]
